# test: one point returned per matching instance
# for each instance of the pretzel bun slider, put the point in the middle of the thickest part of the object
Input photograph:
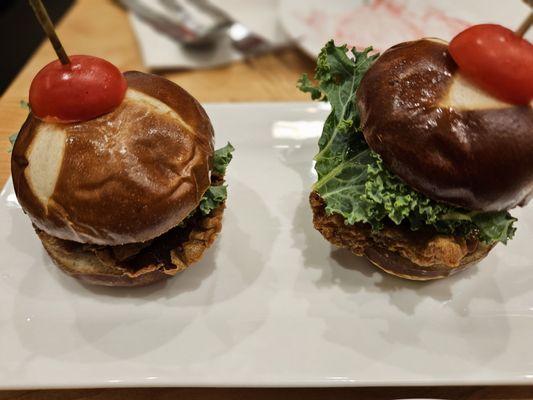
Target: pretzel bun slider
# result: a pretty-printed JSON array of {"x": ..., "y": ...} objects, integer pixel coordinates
[
  {"x": 418, "y": 163},
  {"x": 118, "y": 173}
]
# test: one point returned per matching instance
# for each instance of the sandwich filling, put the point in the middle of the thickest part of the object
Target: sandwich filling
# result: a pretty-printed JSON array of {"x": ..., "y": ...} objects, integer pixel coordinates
[
  {"x": 352, "y": 180},
  {"x": 213, "y": 198},
  {"x": 169, "y": 253}
]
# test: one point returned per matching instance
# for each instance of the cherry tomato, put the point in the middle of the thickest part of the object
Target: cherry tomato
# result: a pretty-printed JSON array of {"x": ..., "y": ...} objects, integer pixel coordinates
[
  {"x": 497, "y": 60},
  {"x": 79, "y": 91}
]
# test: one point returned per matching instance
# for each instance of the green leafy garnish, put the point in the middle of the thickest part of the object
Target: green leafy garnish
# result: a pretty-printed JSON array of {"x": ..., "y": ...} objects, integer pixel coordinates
[
  {"x": 222, "y": 159},
  {"x": 352, "y": 179},
  {"x": 216, "y": 194},
  {"x": 13, "y": 138}
]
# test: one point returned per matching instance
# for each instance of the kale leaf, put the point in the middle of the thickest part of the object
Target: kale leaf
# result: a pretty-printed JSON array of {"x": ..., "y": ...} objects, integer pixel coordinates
[
  {"x": 222, "y": 159},
  {"x": 216, "y": 194}
]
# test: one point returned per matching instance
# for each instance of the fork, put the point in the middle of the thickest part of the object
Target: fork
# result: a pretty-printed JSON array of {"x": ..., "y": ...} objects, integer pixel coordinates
[
  {"x": 242, "y": 38},
  {"x": 177, "y": 24},
  {"x": 181, "y": 25}
]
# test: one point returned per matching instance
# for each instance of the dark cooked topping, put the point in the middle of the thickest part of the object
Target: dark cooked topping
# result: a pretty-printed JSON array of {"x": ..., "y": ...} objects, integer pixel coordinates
[
  {"x": 137, "y": 264},
  {"x": 135, "y": 256}
]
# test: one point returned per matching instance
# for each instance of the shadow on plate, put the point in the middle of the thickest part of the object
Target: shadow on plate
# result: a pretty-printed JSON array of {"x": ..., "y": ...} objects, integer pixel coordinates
[
  {"x": 352, "y": 274},
  {"x": 56, "y": 314},
  {"x": 414, "y": 315}
]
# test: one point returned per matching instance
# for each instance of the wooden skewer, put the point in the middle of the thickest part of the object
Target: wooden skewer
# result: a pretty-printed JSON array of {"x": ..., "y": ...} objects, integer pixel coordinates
[
  {"x": 526, "y": 24},
  {"x": 48, "y": 27}
]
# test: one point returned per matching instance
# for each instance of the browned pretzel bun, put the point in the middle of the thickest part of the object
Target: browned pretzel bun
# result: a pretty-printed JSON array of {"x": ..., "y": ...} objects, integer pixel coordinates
[
  {"x": 441, "y": 135},
  {"x": 127, "y": 176},
  {"x": 402, "y": 267}
]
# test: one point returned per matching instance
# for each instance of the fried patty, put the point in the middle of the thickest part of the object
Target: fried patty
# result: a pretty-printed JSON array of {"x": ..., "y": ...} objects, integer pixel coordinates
[
  {"x": 416, "y": 255},
  {"x": 137, "y": 264}
]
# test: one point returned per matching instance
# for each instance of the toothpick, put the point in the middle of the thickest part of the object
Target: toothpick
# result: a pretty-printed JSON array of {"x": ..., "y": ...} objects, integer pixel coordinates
[
  {"x": 524, "y": 26},
  {"x": 48, "y": 27}
]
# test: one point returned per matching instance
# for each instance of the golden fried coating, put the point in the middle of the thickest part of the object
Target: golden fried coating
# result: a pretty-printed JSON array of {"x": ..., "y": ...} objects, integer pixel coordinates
[{"x": 416, "y": 255}]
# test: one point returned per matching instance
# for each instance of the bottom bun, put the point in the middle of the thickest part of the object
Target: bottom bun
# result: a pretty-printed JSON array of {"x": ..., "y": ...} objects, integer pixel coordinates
[
  {"x": 402, "y": 267},
  {"x": 138, "y": 264},
  {"x": 414, "y": 255}
]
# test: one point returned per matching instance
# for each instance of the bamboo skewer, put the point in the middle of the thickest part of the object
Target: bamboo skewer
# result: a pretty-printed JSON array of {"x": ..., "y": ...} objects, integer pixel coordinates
[
  {"x": 524, "y": 26},
  {"x": 48, "y": 27}
]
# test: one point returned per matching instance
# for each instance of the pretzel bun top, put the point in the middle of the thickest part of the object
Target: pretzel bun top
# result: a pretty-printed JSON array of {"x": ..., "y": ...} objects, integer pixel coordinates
[
  {"x": 127, "y": 176},
  {"x": 443, "y": 136}
]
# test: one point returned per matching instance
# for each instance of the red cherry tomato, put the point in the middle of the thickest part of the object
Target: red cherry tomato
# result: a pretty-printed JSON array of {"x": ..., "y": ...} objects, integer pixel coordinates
[
  {"x": 79, "y": 91},
  {"x": 497, "y": 60}
]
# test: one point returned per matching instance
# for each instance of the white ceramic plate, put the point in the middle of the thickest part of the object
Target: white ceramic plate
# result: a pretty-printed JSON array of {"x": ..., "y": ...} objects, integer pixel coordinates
[
  {"x": 271, "y": 304},
  {"x": 383, "y": 23}
]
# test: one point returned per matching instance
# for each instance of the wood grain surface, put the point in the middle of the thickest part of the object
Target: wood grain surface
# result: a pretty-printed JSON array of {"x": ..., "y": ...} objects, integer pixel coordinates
[{"x": 101, "y": 28}]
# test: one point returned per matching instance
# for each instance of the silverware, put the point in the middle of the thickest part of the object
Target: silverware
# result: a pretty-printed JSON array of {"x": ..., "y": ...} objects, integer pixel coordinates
[
  {"x": 242, "y": 38},
  {"x": 178, "y": 24},
  {"x": 182, "y": 22}
]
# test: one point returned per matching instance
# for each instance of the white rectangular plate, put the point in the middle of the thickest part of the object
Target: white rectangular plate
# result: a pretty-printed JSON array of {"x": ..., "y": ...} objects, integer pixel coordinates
[{"x": 272, "y": 303}]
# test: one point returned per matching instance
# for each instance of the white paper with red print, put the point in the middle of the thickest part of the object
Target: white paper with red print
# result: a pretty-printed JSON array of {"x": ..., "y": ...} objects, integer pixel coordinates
[{"x": 383, "y": 23}]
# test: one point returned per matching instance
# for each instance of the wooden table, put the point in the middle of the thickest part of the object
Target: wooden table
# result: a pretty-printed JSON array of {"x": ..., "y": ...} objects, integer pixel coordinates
[{"x": 100, "y": 28}]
